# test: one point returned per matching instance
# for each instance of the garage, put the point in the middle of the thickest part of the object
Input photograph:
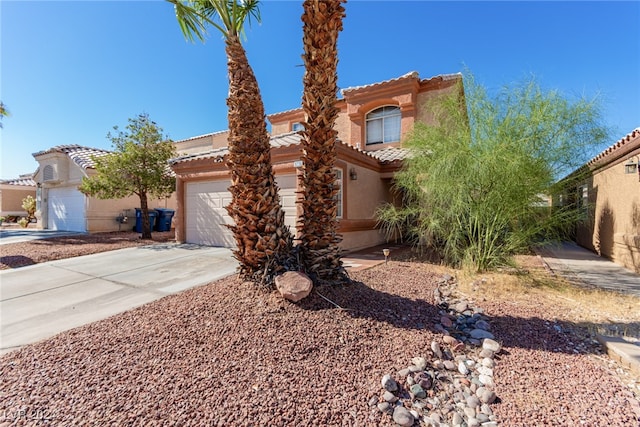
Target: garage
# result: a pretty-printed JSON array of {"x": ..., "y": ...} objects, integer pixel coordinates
[
  {"x": 206, "y": 216},
  {"x": 66, "y": 209}
]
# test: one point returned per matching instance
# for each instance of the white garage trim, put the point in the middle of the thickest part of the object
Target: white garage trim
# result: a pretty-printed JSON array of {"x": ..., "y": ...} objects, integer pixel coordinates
[{"x": 66, "y": 209}]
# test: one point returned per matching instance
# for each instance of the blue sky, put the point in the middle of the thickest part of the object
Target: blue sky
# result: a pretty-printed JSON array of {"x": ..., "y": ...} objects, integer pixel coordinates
[{"x": 72, "y": 70}]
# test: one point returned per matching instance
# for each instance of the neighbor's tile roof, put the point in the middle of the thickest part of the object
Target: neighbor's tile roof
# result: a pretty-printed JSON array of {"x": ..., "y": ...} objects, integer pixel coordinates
[
  {"x": 23, "y": 180},
  {"x": 386, "y": 155},
  {"x": 82, "y": 156},
  {"x": 617, "y": 147}
]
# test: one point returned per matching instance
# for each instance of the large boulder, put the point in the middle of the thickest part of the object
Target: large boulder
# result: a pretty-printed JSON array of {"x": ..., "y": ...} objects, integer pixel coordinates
[{"x": 294, "y": 285}]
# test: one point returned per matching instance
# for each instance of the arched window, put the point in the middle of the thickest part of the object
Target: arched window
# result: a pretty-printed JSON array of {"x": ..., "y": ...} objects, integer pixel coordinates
[{"x": 383, "y": 125}]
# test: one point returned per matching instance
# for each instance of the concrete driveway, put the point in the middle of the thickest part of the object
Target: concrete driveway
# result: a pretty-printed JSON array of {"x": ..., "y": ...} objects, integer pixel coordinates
[
  {"x": 39, "y": 301},
  {"x": 17, "y": 235}
]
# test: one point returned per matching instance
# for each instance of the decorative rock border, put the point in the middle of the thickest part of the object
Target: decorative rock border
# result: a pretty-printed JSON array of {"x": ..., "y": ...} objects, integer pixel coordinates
[{"x": 456, "y": 387}]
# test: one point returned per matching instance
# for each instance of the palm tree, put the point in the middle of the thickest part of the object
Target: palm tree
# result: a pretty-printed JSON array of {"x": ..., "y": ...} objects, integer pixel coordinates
[
  {"x": 263, "y": 240},
  {"x": 4, "y": 112},
  {"x": 322, "y": 22}
]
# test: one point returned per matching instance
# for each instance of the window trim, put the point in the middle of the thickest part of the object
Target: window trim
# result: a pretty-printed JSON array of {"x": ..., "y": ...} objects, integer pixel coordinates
[
  {"x": 294, "y": 124},
  {"x": 396, "y": 113}
]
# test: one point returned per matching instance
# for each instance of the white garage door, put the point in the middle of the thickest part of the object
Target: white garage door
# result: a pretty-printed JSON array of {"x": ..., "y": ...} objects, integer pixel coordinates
[
  {"x": 66, "y": 209},
  {"x": 206, "y": 214}
]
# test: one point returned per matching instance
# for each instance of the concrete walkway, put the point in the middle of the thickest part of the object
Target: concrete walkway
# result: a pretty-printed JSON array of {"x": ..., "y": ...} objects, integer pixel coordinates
[
  {"x": 39, "y": 301},
  {"x": 585, "y": 268}
]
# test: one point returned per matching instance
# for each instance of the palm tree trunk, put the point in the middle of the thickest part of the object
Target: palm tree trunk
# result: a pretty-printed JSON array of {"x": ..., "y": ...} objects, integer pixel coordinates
[
  {"x": 319, "y": 238},
  {"x": 262, "y": 238}
]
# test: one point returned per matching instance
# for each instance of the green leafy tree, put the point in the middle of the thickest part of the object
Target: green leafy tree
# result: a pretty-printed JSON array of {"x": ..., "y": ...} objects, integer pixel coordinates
[
  {"x": 264, "y": 242},
  {"x": 475, "y": 183},
  {"x": 138, "y": 165}
]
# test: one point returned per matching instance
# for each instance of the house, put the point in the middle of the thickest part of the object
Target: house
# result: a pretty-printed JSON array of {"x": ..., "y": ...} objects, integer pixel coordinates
[
  {"x": 611, "y": 195},
  {"x": 61, "y": 206},
  {"x": 12, "y": 192},
  {"x": 371, "y": 124}
]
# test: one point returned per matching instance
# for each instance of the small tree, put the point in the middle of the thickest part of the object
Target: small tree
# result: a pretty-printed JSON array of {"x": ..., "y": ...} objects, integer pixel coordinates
[
  {"x": 138, "y": 166},
  {"x": 29, "y": 205},
  {"x": 474, "y": 184}
]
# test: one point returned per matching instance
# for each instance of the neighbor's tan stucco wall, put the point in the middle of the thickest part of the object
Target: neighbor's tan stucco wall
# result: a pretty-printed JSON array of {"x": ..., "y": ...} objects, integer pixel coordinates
[
  {"x": 11, "y": 199},
  {"x": 101, "y": 214},
  {"x": 613, "y": 228}
]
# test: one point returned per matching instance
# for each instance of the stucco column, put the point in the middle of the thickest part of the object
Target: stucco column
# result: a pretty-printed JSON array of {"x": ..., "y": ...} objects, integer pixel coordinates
[{"x": 180, "y": 213}]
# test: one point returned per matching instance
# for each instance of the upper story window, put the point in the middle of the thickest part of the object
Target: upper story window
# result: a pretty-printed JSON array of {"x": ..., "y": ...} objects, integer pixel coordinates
[
  {"x": 383, "y": 125},
  {"x": 297, "y": 126}
]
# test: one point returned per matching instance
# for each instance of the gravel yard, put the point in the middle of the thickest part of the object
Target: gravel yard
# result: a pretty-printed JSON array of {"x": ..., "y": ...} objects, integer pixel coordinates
[{"x": 227, "y": 354}]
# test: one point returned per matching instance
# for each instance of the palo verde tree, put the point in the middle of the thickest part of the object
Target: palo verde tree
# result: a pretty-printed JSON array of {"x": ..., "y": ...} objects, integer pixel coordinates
[
  {"x": 318, "y": 224},
  {"x": 475, "y": 183},
  {"x": 138, "y": 165},
  {"x": 264, "y": 242}
]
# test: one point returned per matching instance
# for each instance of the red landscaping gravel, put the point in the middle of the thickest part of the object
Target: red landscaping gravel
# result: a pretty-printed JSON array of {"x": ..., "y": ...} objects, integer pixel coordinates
[{"x": 227, "y": 354}]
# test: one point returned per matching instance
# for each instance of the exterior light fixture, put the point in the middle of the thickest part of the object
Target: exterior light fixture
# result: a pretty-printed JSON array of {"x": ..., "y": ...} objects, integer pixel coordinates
[
  {"x": 353, "y": 174},
  {"x": 631, "y": 166}
]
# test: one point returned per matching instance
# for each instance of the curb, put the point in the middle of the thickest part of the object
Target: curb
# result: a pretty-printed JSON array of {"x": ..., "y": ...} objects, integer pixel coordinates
[{"x": 622, "y": 351}]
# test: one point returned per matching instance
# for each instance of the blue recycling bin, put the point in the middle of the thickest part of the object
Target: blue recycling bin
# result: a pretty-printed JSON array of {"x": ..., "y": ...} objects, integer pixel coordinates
[
  {"x": 152, "y": 219},
  {"x": 163, "y": 222}
]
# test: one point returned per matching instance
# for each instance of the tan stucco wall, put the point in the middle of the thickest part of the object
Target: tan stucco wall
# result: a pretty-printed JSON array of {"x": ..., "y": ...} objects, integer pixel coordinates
[
  {"x": 356, "y": 240},
  {"x": 425, "y": 99},
  {"x": 11, "y": 199},
  {"x": 202, "y": 143},
  {"x": 101, "y": 214},
  {"x": 613, "y": 230}
]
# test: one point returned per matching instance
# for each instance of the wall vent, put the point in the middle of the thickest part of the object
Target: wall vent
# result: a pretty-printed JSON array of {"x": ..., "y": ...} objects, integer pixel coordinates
[{"x": 48, "y": 174}]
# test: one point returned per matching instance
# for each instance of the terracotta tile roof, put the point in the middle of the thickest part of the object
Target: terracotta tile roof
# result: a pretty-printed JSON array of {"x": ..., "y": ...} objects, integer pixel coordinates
[
  {"x": 23, "y": 180},
  {"x": 386, "y": 155},
  {"x": 409, "y": 75},
  {"x": 618, "y": 147},
  {"x": 216, "y": 154},
  {"x": 82, "y": 156},
  {"x": 391, "y": 154},
  {"x": 201, "y": 136}
]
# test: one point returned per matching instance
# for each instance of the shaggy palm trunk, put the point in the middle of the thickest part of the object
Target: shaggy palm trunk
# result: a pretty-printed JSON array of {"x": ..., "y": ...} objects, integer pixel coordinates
[
  {"x": 262, "y": 238},
  {"x": 319, "y": 238}
]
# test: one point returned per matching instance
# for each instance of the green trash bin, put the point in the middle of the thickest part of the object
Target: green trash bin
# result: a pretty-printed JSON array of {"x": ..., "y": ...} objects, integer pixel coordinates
[
  {"x": 163, "y": 222},
  {"x": 152, "y": 219}
]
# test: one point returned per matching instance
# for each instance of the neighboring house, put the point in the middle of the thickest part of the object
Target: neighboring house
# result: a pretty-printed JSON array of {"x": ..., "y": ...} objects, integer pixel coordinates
[
  {"x": 611, "y": 196},
  {"x": 61, "y": 206},
  {"x": 371, "y": 125},
  {"x": 12, "y": 192}
]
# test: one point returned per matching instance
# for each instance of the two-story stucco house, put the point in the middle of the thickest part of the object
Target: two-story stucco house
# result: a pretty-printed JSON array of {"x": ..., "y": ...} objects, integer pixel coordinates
[{"x": 371, "y": 125}]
